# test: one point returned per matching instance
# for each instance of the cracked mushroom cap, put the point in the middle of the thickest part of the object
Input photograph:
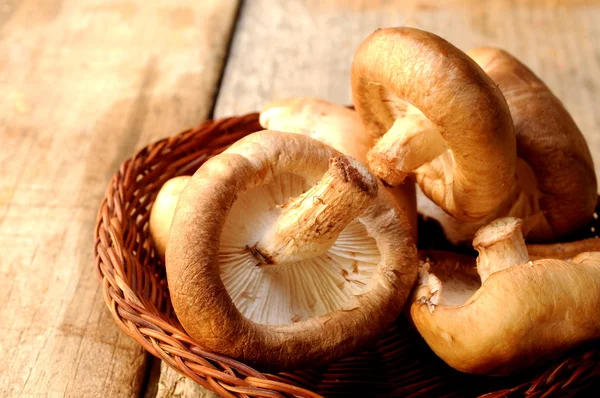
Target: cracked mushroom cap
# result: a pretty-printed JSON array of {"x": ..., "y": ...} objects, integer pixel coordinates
[
  {"x": 507, "y": 313},
  {"x": 396, "y": 66},
  {"x": 286, "y": 282},
  {"x": 337, "y": 126}
]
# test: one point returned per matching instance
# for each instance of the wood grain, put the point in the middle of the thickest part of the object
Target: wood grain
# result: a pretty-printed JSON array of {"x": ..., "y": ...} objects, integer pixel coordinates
[
  {"x": 85, "y": 83},
  {"x": 305, "y": 48},
  {"x": 164, "y": 382}
]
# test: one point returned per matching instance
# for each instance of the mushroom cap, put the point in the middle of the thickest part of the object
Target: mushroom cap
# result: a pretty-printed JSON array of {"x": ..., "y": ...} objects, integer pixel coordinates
[
  {"x": 205, "y": 224},
  {"x": 332, "y": 124},
  {"x": 520, "y": 315},
  {"x": 426, "y": 71},
  {"x": 550, "y": 143},
  {"x": 337, "y": 126},
  {"x": 161, "y": 214}
]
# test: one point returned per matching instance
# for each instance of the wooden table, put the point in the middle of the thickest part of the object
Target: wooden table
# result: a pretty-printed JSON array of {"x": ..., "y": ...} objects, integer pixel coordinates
[{"x": 87, "y": 82}]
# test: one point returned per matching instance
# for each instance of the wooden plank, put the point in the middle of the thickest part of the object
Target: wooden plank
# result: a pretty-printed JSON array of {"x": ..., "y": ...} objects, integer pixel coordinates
[
  {"x": 166, "y": 383},
  {"x": 300, "y": 48},
  {"x": 85, "y": 83}
]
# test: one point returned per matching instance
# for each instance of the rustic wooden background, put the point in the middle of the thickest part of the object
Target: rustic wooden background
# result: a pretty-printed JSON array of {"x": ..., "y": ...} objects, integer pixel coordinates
[{"x": 87, "y": 82}]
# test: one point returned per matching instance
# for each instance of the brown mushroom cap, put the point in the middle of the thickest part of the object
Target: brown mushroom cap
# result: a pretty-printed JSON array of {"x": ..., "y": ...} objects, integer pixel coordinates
[
  {"x": 200, "y": 240},
  {"x": 337, "y": 126},
  {"x": 564, "y": 193},
  {"x": 520, "y": 316},
  {"x": 555, "y": 190},
  {"x": 426, "y": 71}
]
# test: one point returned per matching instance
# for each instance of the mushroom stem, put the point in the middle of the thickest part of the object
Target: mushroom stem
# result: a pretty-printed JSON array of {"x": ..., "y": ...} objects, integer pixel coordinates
[
  {"x": 310, "y": 223},
  {"x": 500, "y": 245},
  {"x": 411, "y": 142}
]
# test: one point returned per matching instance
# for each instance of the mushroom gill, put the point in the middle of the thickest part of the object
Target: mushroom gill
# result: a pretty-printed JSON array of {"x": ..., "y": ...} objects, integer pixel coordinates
[
  {"x": 301, "y": 291},
  {"x": 296, "y": 291}
]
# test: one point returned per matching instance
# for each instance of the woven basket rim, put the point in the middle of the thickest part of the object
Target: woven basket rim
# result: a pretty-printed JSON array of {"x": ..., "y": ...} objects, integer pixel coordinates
[{"x": 136, "y": 294}]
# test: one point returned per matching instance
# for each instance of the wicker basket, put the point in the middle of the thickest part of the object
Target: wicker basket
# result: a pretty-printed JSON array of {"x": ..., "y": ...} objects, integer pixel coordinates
[{"x": 136, "y": 293}]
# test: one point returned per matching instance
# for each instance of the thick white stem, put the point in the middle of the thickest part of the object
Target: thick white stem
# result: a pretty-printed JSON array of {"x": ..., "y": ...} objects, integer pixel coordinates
[
  {"x": 411, "y": 142},
  {"x": 310, "y": 224},
  {"x": 500, "y": 245}
]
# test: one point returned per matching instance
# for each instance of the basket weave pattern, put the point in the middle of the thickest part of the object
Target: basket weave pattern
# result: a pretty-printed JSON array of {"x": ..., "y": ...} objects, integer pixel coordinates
[{"x": 135, "y": 291}]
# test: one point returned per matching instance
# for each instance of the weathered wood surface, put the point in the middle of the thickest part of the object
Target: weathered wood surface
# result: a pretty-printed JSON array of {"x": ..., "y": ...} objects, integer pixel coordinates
[
  {"x": 164, "y": 382},
  {"x": 305, "y": 48},
  {"x": 84, "y": 84}
]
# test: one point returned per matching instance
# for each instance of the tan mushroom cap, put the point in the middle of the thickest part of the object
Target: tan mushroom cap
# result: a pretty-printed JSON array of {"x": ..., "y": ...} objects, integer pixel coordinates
[
  {"x": 521, "y": 315},
  {"x": 332, "y": 124},
  {"x": 226, "y": 207},
  {"x": 337, "y": 126},
  {"x": 161, "y": 214},
  {"x": 405, "y": 64},
  {"x": 564, "y": 194}
]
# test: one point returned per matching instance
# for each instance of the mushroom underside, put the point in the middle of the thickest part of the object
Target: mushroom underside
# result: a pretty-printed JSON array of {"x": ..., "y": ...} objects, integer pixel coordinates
[
  {"x": 288, "y": 293},
  {"x": 522, "y": 203},
  {"x": 448, "y": 282}
]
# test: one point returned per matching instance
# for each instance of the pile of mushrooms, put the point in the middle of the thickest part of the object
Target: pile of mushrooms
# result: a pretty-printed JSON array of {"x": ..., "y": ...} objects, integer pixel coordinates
[
  {"x": 296, "y": 245},
  {"x": 501, "y": 145}
]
